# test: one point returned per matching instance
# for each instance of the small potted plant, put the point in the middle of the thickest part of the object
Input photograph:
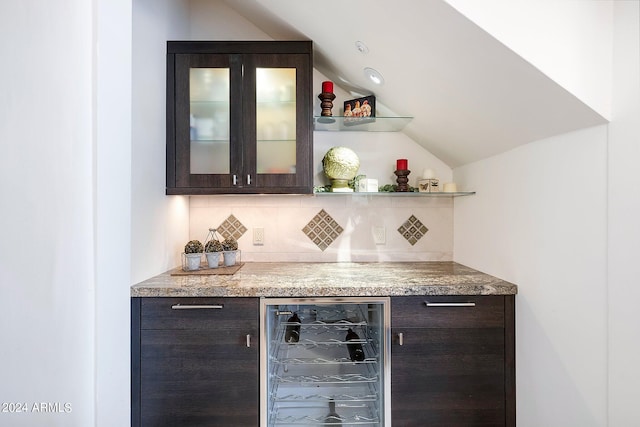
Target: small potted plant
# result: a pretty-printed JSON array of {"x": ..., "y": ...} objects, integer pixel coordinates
[
  {"x": 230, "y": 250},
  {"x": 193, "y": 255},
  {"x": 212, "y": 251}
]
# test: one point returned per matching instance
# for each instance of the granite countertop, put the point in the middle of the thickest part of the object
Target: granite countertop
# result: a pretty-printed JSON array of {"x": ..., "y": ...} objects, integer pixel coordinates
[{"x": 280, "y": 279}]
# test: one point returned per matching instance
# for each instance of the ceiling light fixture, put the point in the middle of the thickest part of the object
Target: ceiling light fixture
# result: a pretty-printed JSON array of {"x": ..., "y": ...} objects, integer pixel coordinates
[
  {"x": 362, "y": 48},
  {"x": 374, "y": 75}
]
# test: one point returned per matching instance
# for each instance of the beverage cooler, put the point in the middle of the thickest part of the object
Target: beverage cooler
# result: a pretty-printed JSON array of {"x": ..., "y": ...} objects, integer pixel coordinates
[{"x": 325, "y": 361}]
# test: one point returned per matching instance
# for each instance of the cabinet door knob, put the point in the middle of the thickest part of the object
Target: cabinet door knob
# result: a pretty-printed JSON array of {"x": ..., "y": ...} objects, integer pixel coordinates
[
  {"x": 400, "y": 338},
  {"x": 249, "y": 340}
]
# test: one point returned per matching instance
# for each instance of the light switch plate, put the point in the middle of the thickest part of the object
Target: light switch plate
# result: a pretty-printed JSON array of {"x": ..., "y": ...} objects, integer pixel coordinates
[
  {"x": 258, "y": 236},
  {"x": 379, "y": 235}
]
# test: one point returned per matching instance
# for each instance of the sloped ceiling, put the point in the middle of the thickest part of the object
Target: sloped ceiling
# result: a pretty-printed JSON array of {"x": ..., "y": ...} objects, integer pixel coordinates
[{"x": 471, "y": 97}]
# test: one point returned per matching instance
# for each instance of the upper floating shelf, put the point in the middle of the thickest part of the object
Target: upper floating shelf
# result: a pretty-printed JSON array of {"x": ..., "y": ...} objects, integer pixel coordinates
[{"x": 368, "y": 124}]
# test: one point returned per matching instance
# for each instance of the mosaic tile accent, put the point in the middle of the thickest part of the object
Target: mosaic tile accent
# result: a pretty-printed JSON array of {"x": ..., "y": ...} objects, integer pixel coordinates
[
  {"x": 231, "y": 227},
  {"x": 413, "y": 230},
  {"x": 322, "y": 230}
]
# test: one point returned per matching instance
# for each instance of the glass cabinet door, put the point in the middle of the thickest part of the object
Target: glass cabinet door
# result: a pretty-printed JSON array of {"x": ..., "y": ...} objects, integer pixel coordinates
[
  {"x": 209, "y": 120},
  {"x": 207, "y": 149},
  {"x": 276, "y": 106},
  {"x": 276, "y": 120}
]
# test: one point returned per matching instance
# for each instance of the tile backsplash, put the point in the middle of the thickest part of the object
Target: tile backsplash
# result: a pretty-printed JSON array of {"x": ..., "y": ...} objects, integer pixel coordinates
[
  {"x": 329, "y": 228},
  {"x": 322, "y": 230}
]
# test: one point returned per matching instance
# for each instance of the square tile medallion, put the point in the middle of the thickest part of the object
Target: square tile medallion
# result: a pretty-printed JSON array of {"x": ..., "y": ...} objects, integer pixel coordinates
[
  {"x": 231, "y": 227},
  {"x": 322, "y": 230},
  {"x": 413, "y": 230}
]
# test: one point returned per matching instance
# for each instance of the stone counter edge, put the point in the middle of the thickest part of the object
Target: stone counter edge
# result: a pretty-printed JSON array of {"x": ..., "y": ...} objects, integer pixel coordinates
[{"x": 351, "y": 279}]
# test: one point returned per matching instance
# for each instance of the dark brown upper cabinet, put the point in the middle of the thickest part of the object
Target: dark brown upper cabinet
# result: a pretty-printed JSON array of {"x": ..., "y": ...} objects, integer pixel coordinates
[{"x": 239, "y": 117}]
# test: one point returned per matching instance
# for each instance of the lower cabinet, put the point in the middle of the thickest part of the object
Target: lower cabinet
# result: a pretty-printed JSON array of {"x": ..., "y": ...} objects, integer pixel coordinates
[
  {"x": 195, "y": 362},
  {"x": 453, "y": 361}
]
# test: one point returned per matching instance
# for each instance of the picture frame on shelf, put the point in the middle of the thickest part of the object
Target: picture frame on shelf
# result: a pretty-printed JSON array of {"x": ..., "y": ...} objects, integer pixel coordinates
[{"x": 360, "y": 110}]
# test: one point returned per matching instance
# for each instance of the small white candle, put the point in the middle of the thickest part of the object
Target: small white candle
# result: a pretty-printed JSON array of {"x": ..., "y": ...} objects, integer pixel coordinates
[
  {"x": 428, "y": 174},
  {"x": 450, "y": 187}
]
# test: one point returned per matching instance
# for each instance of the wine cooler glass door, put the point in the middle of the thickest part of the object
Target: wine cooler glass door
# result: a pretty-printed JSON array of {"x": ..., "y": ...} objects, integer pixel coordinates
[{"x": 325, "y": 361}]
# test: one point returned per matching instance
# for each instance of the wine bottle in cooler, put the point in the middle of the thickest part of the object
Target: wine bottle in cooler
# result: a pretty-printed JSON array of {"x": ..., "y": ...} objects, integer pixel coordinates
[
  {"x": 292, "y": 333},
  {"x": 332, "y": 418},
  {"x": 356, "y": 353}
]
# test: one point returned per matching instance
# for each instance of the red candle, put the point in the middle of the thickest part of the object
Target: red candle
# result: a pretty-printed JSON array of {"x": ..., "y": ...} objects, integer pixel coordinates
[
  {"x": 402, "y": 164},
  {"x": 327, "y": 87}
]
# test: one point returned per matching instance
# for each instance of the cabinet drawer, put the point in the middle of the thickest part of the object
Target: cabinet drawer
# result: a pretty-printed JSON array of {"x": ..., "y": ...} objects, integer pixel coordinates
[
  {"x": 199, "y": 313},
  {"x": 448, "y": 311}
]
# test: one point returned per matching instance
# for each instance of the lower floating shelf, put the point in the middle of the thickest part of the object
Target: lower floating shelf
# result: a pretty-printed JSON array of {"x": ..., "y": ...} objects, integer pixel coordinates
[{"x": 397, "y": 194}]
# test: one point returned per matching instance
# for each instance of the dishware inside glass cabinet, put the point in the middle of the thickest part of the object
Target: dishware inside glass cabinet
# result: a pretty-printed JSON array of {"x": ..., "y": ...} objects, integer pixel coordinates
[{"x": 325, "y": 361}]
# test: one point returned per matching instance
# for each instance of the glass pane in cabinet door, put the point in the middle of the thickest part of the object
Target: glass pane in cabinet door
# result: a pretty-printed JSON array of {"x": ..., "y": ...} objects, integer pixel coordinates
[
  {"x": 209, "y": 120},
  {"x": 276, "y": 120}
]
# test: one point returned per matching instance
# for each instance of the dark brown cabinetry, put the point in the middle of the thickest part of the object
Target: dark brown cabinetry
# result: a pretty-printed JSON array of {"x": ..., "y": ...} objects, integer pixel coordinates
[
  {"x": 453, "y": 361},
  {"x": 239, "y": 117},
  {"x": 194, "y": 362}
]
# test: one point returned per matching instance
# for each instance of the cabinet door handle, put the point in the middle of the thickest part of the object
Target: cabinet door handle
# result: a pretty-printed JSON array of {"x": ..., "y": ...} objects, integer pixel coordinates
[
  {"x": 249, "y": 340},
  {"x": 197, "y": 306},
  {"x": 248, "y": 179},
  {"x": 235, "y": 179},
  {"x": 450, "y": 304},
  {"x": 401, "y": 338}
]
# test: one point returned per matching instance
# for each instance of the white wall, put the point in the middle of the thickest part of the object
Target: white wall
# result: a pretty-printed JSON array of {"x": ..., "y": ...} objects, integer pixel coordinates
[
  {"x": 559, "y": 217},
  {"x": 215, "y": 20},
  {"x": 568, "y": 40},
  {"x": 159, "y": 223},
  {"x": 112, "y": 209},
  {"x": 539, "y": 220},
  {"x": 624, "y": 211},
  {"x": 47, "y": 249}
]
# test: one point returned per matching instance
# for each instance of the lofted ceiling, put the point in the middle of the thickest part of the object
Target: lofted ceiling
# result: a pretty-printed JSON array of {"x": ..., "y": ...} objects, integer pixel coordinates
[{"x": 471, "y": 97}]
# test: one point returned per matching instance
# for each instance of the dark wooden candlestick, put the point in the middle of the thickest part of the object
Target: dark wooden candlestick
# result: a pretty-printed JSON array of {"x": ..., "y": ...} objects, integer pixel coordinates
[
  {"x": 326, "y": 104},
  {"x": 402, "y": 180}
]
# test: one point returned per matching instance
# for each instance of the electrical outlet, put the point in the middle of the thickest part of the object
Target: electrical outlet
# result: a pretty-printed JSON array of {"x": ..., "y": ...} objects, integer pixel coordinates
[
  {"x": 379, "y": 235},
  {"x": 258, "y": 236}
]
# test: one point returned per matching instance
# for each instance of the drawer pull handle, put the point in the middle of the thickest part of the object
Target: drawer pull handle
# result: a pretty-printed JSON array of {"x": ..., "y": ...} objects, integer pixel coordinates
[
  {"x": 249, "y": 340},
  {"x": 450, "y": 304},
  {"x": 235, "y": 180},
  {"x": 248, "y": 179},
  {"x": 401, "y": 338},
  {"x": 197, "y": 307}
]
